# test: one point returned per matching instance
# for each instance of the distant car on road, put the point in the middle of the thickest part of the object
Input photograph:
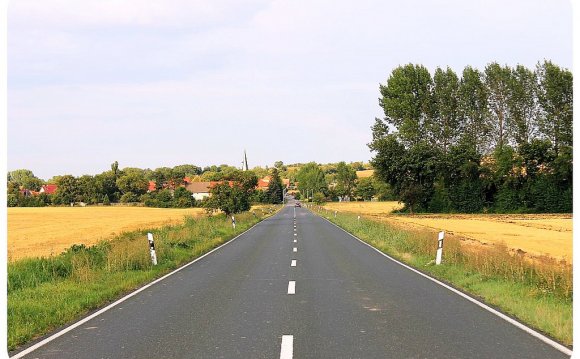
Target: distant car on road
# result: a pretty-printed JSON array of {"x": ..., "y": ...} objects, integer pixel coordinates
[{"x": 297, "y": 204}]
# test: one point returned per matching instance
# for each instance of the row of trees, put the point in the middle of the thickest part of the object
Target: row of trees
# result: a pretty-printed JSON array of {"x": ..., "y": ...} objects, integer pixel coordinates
[
  {"x": 131, "y": 185},
  {"x": 498, "y": 139}
]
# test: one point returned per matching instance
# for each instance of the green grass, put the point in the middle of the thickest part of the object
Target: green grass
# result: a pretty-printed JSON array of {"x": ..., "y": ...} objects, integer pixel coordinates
[
  {"x": 537, "y": 293},
  {"x": 46, "y": 293}
]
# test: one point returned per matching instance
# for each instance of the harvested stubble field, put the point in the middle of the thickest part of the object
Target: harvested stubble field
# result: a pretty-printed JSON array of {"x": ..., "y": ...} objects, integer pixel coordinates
[
  {"x": 534, "y": 235},
  {"x": 36, "y": 232}
]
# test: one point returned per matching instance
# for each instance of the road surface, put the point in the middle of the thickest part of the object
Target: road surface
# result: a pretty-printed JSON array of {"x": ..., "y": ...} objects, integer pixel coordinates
[{"x": 299, "y": 288}]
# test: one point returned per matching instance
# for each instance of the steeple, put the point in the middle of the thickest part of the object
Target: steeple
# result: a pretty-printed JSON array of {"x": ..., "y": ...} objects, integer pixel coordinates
[{"x": 245, "y": 162}]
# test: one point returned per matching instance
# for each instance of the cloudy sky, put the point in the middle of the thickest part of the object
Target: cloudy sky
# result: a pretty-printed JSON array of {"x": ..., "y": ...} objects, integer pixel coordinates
[{"x": 163, "y": 83}]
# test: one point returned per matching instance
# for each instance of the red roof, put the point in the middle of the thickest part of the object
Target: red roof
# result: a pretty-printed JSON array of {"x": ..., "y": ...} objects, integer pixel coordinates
[
  {"x": 49, "y": 188},
  {"x": 151, "y": 186}
]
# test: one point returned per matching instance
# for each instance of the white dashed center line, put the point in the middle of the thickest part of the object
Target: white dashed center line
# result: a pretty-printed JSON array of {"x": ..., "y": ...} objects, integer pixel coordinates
[
  {"x": 287, "y": 348},
  {"x": 294, "y": 249},
  {"x": 292, "y": 287},
  {"x": 293, "y": 264}
]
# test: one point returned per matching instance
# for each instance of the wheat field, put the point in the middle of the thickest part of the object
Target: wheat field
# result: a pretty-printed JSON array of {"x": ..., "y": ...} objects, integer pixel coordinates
[
  {"x": 36, "y": 232},
  {"x": 535, "y": 234}
]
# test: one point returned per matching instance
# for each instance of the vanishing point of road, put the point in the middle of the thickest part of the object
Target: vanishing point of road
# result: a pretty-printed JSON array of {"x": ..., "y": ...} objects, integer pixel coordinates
[{"x": 295, "y": 287}]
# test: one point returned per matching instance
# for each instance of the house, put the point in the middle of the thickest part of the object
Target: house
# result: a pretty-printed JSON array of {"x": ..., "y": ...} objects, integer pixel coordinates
[
  {"x": 264, "y": 182},
  {"x": 48, "y": 189},
  {"x": 199, "y": 190}
]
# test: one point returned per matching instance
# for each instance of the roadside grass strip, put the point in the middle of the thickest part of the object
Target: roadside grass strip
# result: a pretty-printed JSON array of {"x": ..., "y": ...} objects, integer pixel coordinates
[
  {"x": 537, "y": 294},
  {"x": 47, "y": 293}
]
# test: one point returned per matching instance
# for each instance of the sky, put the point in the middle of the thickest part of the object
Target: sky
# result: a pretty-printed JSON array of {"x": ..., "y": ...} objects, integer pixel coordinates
[{"x": 153, "y": 84}]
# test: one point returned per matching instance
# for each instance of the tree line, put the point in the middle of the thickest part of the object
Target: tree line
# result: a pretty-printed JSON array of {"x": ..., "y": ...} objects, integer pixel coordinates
[
  {"x": 132, "y": 185},
  {"x": 496, "y": 140}
]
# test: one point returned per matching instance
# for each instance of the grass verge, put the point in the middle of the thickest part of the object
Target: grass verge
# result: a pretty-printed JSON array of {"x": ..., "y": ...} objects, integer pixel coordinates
[
  {"x": 538, "y": 293},
  {"x": 46, "y": 293}
]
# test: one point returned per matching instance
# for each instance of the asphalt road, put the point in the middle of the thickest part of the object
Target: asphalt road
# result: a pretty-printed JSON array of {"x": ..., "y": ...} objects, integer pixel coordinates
[{"x": 349, "y": 302}]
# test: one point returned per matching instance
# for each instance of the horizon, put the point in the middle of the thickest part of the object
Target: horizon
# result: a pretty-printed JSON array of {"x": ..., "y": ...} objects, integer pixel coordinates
[{"x": 160, "y": 85}]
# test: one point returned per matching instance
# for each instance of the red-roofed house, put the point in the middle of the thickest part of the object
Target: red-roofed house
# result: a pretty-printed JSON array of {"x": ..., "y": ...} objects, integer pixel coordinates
[
  {"x": 48, "y": 188},
  {"x": 151, "y": 187},
  {"x": 264, "y": 182}
]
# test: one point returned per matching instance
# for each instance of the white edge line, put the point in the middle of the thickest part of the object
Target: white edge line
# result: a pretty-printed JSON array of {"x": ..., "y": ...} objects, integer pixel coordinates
[
  {"x": 119, "y": 301},
  {"x": 512, "y": 321},
  {"x": 287, "y": 347}
]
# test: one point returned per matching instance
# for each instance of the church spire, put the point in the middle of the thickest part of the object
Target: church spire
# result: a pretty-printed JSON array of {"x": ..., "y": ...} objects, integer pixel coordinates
[{"x": 245, "y": 162}]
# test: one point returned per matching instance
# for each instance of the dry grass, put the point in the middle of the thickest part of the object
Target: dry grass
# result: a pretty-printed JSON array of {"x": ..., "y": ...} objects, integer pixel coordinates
[
  {"x": 534, "y": 235},
  {"x": 35, "y": 232}
]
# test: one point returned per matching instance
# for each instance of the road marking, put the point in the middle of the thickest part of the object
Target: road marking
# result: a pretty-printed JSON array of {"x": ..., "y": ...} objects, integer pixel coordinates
[
  {"x": 287, "y": 347},
  {"x": 295, "y": 241},
  {"x": 295, "y": 234},
  {"x": 292, "y": 287},
  {"x": 512, "y": 321},
  {"x": 114, "y": 304},
  {"x": 294, "y": 249},
  {"x": 293, "y": 263}
]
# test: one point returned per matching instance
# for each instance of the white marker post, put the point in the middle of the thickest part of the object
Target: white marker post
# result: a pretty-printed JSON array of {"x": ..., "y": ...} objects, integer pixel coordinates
[
  {"x": 335, "y": 214},
  {"x": 440, "y": 248},
  {"x": 234, "y": 222},
  {"x": 152, "y": 248},
  {"x": 358, "y": 219}
]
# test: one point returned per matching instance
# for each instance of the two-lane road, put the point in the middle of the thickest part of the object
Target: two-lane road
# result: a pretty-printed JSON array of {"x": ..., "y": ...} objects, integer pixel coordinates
[{"x": 301, "y": 287}]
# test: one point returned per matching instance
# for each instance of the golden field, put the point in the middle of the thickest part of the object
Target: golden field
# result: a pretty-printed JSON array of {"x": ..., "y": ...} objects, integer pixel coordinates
[
  {"x": 534, "y": 234},
  {"x": 35, "y": 232},
  {"x": 364, "y": 173}
]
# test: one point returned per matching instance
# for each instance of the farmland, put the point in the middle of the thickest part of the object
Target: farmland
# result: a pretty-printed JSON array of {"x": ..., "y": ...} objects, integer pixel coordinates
[
  {"x": 35, "y": 232},
  {"x": 534, "y": 234}
]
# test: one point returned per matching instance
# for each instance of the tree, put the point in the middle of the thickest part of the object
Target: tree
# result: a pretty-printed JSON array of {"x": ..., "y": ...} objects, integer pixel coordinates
[
  {"x": 161, "y": 176},
  {"x": 311, "y": 178},
  {"x": 275, "y": 190},
  {"x": 555, "y": 87},
  {"x": 182, "y": 198},
  {"x": 318, "y": 198},
  {"x": 365, "y": 188},
  {"x": 522, "y": 105},
  {"x": 473, "y": 109},
  {"x": 407, "y": 102},
  {"x": 115, "y": 169},
  {"x": 228, "y": 199},
  {"x": 133, "y": 182},
  {"x": 445, "y": 126},
  {"x": 345, "y": 180},
  {"x": 497, "y": 80},
  {"x": 106, "y": 185},
  {"x": 411, "y": 172},
  {"x": 25, "y": 179},
  {"x": 87, "y": 189},
  {"x": 68, "y": 189}
]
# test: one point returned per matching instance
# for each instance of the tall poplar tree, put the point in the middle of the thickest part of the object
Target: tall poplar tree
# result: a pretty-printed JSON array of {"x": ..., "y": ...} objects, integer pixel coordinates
[
  {"x": 472, "y": 102},
  {"x": 496, "y": 81},
  {"x": 445, "y": 126}
]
